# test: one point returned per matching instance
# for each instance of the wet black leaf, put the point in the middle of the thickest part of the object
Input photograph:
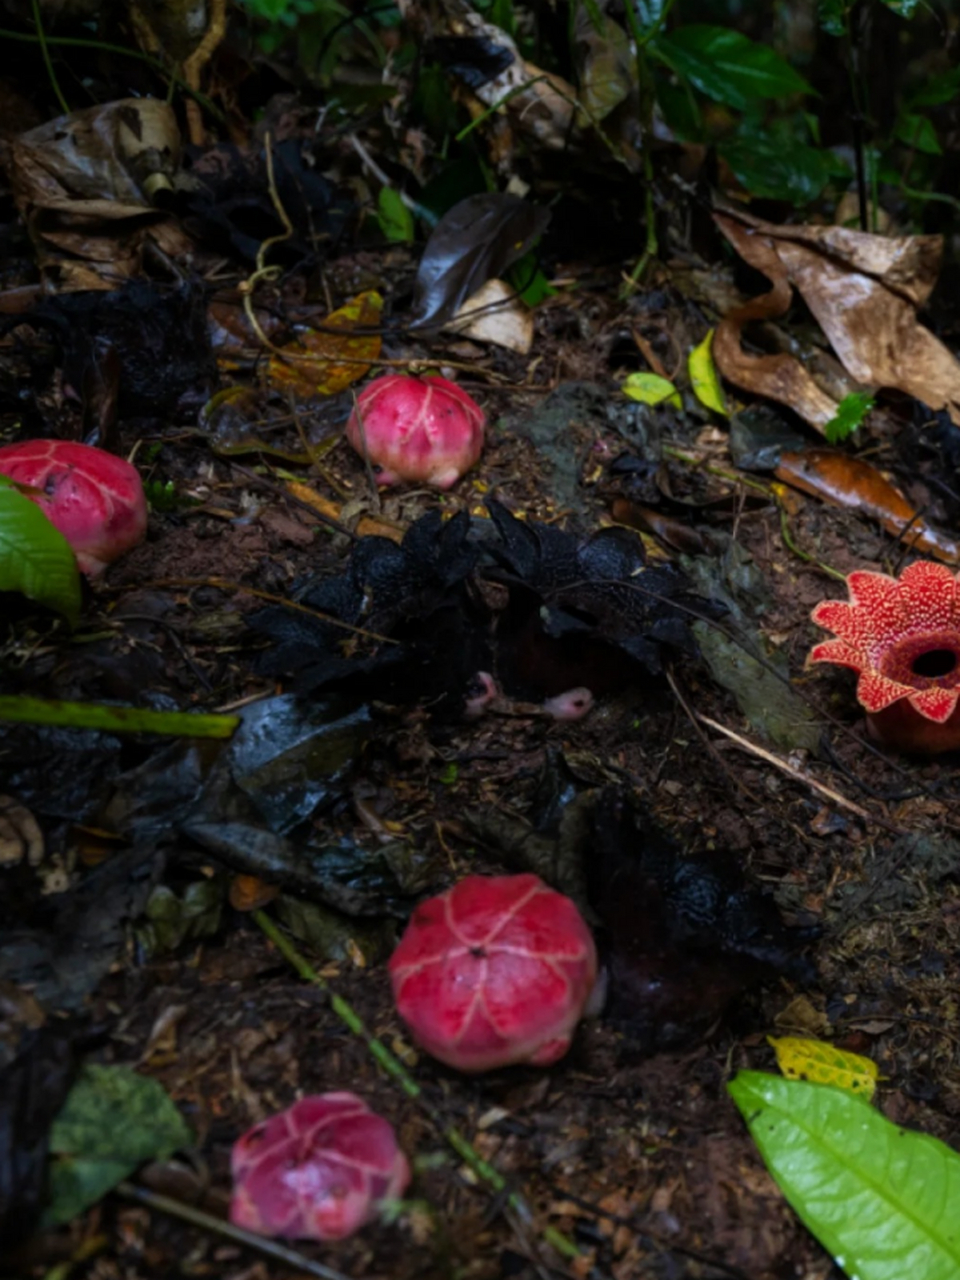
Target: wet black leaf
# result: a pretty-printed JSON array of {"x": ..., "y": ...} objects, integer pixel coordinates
[
  {"x": 33, "y": 1085},
  {"x": 682, "y": 936},
  {"x": 473, "y": 242}
]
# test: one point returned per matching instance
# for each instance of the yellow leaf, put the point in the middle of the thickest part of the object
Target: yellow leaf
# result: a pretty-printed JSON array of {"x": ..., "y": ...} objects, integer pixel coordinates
[
  {"x": 704, "y": 377},
  {"x": 822, "y": 1063},
  {"x": 320, "y": 363},
  {"x": 650, "y": 388}
]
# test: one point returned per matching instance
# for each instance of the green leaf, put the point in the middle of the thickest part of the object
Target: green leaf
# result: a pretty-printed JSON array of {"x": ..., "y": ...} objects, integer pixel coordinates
[
  {"x": 937, "y": 90},
  {"x": 35, "y": 558},
  {"x": 526, "y": 276},
  {"x": 728, "y": 66},
  {"x": 881, "y": 1199},
  {"x": 113, "y": 1121},
  {"x": 832, "y": 15},
  {"x": 650, "y": 388},
  {"x": 851, "y": 412},
  {"x": 767, "y": 168},
  {"x": 917, "y": 131},
  {"x": 704, "y": 377},
  {"x": 395, "y": 219},
  {"x": 905, "y": 8}
]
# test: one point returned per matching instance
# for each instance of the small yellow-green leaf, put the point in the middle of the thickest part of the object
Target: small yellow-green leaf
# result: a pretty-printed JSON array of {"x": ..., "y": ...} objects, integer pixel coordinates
[
  {"x": 822, "y": 1063},
  {"x": 650, "y": 388},
  {"x": 704, "y": 377}
]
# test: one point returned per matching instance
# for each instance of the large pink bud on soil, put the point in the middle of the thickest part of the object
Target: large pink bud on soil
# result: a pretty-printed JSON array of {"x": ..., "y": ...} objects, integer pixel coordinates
[
  {"x": 94, "y": 498},
  {"x": 495, "y": 971},
  {"x": 421, "y": 429},
  {"x": 316, "y": 1171}
]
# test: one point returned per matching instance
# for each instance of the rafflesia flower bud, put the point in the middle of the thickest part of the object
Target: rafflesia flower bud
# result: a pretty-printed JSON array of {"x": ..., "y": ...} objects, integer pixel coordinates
[
  {"x": 316, "y": 1171},
  {"x": 94, "y": 498},
  {"x": 422, "y": 429},
  {"x": 495, "y": 971}
]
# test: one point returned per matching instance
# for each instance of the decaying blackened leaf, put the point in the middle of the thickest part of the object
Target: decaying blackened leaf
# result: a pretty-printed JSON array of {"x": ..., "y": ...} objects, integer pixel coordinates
[
  {"x": 232, "y": 203},
  {"x": 682, "y": 936},
  {"x": 864, "y": 290},
  {"x": 36, "y": 1073},
  {"x": 472, "y": 243},
  {"x": 582, "y": 612},
  {"x": 152, "y": 342},
  {"x": 415, "y": 628},
  {"x": 592, "y": 591}
]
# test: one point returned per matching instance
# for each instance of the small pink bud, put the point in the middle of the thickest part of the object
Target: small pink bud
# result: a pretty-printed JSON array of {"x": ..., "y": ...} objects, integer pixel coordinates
[
  {"x": 422, "y": 429},
  {"x": 495, "y": 971},
  {"x": 574, "y": 704},
  {"x": 94, "y": 498},
  {"x": 316, "y": 1171}
]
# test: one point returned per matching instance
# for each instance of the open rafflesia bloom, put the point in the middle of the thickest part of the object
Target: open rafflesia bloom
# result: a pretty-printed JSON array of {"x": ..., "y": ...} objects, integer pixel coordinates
[
  {"x": 422, "y": 429},
  {"x": 495, "y": 971},
  {"x": 902, "y": 635},
  {"x": 316, "y": 1171},
  {"x": 94, "y": 498}
]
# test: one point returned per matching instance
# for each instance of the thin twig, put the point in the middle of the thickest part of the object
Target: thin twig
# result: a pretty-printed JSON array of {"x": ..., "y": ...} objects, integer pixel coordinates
[
  {"x": 217, "y": 1226},
  {"x": 798, "y": 775},
  {"x": 394, "y": 1068}
]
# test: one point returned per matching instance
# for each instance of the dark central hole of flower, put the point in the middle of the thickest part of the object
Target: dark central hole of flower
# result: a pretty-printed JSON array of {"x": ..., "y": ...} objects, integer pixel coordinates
[{"x": 935, "y": 662}]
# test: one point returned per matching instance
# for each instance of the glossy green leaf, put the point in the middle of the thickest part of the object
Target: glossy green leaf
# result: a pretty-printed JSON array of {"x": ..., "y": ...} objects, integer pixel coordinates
[
  {"x": 395, "y": 219},
  {"x": 905, "y": 8},
  {"x": 884, "y": 1201},
  {"x": 650, "y": 388},
  {"x": 767, "y": 168},
  {"x": 727, "y": 66},
  {"x": 35, "y": 558},
  {"x": 704, "y": 377},
  {"x": 936, "y": 90},
  {"x": 113, "y": 1121}
]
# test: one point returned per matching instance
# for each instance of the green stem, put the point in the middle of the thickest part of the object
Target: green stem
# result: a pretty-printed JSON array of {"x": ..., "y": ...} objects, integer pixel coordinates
[
  {"x": 42, "y": 41},
  {"x": 78, "y": 42},
  {"x": 393, "y": 1067}
]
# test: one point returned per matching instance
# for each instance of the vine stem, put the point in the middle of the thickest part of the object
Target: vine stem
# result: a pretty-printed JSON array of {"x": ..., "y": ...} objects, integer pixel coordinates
[
  {"x": 47, "y": 60},
  {"x": 394, "y": 1068}
]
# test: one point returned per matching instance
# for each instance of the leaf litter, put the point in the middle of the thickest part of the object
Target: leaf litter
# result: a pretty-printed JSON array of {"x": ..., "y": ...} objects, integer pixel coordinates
[{"x": 361, "y": 787}]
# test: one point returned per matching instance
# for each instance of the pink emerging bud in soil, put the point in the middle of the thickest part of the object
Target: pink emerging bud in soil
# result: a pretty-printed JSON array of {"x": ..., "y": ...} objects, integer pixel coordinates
[
  {"x": 316, "y": 1171},
  {"x": 94, "y": 498},
  {"x": 574, "y": 704},
  {"x": 421, "y": 429},
  {"x": 497, "y": 970},
  {"x": 902, "y": 637}
]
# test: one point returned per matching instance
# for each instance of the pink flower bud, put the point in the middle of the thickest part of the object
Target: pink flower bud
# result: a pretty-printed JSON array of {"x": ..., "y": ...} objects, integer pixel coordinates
[
  {"x": 316, "y": 1171},
  {"x": 495, "y": 971},
  {"x": 421, "y": 429},
  {"x": 94, "y": 498}
]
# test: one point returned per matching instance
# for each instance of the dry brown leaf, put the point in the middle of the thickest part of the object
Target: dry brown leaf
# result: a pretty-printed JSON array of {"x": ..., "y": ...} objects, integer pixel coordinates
[
  {"x": 81, "y": 180},
  {"x": 320, "y": 363},
  {"x": 495, "y": 314},
  {"x": 864, "y": 290},
  {"x": 846, "y": 481}
]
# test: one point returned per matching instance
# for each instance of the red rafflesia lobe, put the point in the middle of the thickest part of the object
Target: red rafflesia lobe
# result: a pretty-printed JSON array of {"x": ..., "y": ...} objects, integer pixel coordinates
[
  {"x": 902, "y": 637},
  {"x": 495, "y": 971},
  {"x": 424, "y": 430},
  {"x": 316, "y": 1171},
  {"x": 94, "y": 498}
]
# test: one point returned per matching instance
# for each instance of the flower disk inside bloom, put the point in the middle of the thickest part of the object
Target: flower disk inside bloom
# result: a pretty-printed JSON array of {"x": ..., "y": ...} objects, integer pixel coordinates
[{"x": 901, "y": 635}]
